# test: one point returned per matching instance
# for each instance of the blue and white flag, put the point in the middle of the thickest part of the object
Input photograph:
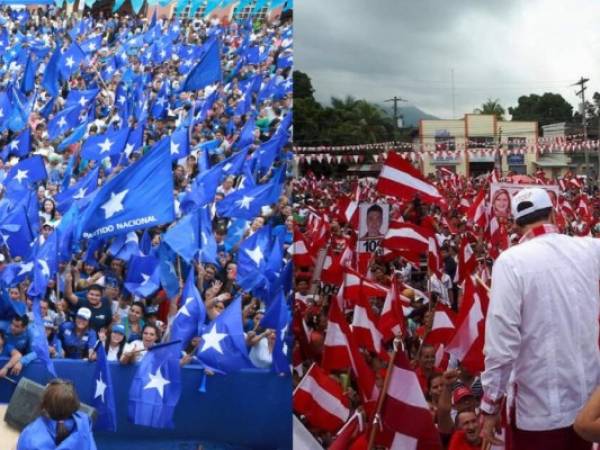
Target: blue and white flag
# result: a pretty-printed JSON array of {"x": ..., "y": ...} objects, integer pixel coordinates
[
  {"x": 156, "y": 387},
  {"x": 141, "y": 196},
  {"x": 84, "y": 187},
  {"x": 103, "y": 395},
  {"x": 110, "y": 143},
  {"x": 189, "y": 321},
  {"x": 143, "y": 276},
  {"x": 223, "y": 346}
]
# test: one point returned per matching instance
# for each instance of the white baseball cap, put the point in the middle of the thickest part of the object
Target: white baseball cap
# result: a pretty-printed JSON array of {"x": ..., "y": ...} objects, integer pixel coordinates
[
  {"x": 530, "y": 200},
  {"x": 84, "y": 313}
]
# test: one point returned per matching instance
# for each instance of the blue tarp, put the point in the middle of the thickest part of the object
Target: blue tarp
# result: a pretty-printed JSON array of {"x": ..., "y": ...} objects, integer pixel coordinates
[{"x": 248, "y": 409}]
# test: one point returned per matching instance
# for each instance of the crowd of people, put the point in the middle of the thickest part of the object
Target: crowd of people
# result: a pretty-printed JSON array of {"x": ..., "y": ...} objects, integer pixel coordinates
[
  {"x": 428, "y": 305},
  {"x": 130, "y": 71}
]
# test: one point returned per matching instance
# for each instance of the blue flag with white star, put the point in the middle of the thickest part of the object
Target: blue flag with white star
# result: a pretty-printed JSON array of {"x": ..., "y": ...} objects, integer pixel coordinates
[
  {"x": 15, "y": 232},
  {"x": 39, "y": 342},
  {"x": 70, "y": 60},
  {"x": 140, "y": 196},
  {"x": 103, "y": 395},
  {"x": 156, "y": 387},
  {"x": 159, "y": 107},
  {"x": 45, "y": 265},
  {"x": 19, "y": 146},
  {"x": 110, "y": 143},
  {"x": 245, "y": 203},
  {"x": 252, "y": 260},
  {"x": 26, "y": 172},
  {"x": 84, "y": 187},
  {"x": 168, "y": 275},
  {"x": 223, "y": 345},
  {"x": 184, "y": 236},
  {"x": 143, "y": 275},
  {"x": 83, "y": 98},
  {"x": 277, "y": 317},
  {"x": 208, "y": 69},
  {"x": 180, "y": 143},
  {"x": 190, "y": 318},
  {"x": 63, "y": 121}
]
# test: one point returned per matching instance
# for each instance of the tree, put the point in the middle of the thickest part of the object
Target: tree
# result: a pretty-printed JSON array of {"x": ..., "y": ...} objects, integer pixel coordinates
[
  {"x": 546, "y": 109},
  {"x": 302, "y": 86},
  {"x": 491, "y": 107}
]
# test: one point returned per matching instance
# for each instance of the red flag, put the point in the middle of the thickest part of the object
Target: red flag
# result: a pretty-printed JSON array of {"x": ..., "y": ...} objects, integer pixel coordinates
[
  {"x": 434, "y": 261},
  {"x": 466, "y": 261},
  {"x": 321, "y": 400},
  {"x": 476, "y": 213},
  {"x": 341, "y": 352},
  {"x": 348, "y": 434},
  {"x": 333, "y": 266},
  {"x": 392, "y": 320},
  {"x": 399, "y": 178},
  {"x": 443, "y": 327},
  {"x": 467, "y": 343},
  {"x": 407, "y": 237},
  {"x": 300, "y": 250},
  {"x": 405, "y": 411},
  {"x": 357, "y": 286},
  {"x": 364, "y": 326}
]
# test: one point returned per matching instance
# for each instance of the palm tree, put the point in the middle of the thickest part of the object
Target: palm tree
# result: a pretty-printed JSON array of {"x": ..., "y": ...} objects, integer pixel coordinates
[{"x": 491, "y": 107}]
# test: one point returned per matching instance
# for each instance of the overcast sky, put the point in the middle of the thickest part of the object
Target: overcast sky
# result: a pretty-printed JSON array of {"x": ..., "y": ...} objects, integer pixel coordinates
[{"x": 498, "y": 49}]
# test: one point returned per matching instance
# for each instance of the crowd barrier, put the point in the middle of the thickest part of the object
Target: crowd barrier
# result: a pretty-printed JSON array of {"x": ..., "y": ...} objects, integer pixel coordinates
[{"x": 249, "y": 409}]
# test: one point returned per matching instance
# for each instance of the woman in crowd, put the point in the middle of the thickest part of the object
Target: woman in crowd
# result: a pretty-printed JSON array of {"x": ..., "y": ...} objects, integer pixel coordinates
[
  {"x": 134, "y": 351},
  {"x": 114, "y": 342},
  {"x": 78, "y": 339}
]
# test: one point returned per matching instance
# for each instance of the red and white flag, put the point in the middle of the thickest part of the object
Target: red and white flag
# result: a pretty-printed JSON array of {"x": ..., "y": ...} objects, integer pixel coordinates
[
  {"x": 443, "y": 328},
  {"x": 467, "y": 343},
  {"x": 364, "y": 326},
  {"x": 476, "y": 213},
  {"x": 405, "y": 411},
  {"x": 392, "y": 321},
  {"x": 349, "y": 433},
  {"x": 434, "y": 260},
  {"x": 398, "y": 178},
  {"x": 321, "y": 400},
  {"x": 356, "y": 286},
  {"x": 333, "y": 266},
  {"x": 407, "y": 237},
  {"x": 466, "y": 261},
  {"x": 340, "y": 351},
  {"x": 301, "y": 254}
]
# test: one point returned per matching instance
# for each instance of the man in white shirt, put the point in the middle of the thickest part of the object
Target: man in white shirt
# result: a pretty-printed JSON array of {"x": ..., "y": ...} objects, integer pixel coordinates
[{"x": 542, "y": 330}]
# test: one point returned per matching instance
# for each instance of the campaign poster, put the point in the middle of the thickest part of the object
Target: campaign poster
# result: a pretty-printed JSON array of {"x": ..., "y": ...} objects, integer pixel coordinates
[
  {"x": 373, "y": 224},
  {"x": 501, "y": 195}
]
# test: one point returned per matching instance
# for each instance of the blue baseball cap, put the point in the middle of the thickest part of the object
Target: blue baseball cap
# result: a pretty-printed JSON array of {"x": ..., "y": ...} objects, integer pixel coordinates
[{"x": 118, "y": 328}]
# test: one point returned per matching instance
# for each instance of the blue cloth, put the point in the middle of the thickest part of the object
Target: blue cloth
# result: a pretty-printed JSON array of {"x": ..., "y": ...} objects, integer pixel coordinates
[{"x": 41, "y": 433}]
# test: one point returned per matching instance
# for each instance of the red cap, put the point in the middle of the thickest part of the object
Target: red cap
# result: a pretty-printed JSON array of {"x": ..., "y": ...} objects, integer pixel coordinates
[{"x": 460, "y": 393}]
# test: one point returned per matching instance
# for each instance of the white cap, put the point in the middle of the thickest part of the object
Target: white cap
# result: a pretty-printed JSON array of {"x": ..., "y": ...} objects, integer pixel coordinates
[
  {"x": 537, "y": 198},
  {"x": 84, "y": 313}
]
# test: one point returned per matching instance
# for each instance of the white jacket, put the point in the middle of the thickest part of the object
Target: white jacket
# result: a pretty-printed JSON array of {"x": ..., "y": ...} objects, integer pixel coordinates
[{"x": 542, "y": 323}]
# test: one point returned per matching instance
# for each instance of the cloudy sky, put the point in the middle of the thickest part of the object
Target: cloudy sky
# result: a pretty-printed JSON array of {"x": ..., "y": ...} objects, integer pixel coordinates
[{"x": 498, "y": 49}]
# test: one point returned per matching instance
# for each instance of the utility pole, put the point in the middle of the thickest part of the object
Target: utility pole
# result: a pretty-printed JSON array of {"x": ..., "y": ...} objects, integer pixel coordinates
[
  {"x": 396, "y": 100},
  {"x": 453, "y": 96},
  {"x": 498, "y": 156},
  {"x": 586, "y": 153}
]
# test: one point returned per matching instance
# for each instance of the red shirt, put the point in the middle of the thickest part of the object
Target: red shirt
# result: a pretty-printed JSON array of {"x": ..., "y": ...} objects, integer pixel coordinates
[{"x": 459, "y": 442}]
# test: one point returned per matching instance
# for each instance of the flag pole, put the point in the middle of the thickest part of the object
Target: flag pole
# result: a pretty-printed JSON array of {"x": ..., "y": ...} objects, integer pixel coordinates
[{"x": 386, "y": 384}]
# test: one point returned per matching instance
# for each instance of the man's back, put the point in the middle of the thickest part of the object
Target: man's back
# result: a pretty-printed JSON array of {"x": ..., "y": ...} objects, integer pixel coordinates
[{"x": 543, "y": 313}]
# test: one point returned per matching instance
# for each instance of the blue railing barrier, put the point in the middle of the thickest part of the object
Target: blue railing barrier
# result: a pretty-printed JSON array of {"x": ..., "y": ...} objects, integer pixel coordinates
[{"x": 249, "y": 409}]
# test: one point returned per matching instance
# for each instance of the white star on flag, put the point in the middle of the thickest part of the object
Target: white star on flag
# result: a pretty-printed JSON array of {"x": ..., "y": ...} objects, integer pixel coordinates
[
  {"x": 160, "y": 101},
  {"x": 45, "y": 268},
  {"x": 158, "y": 382},
  {"x": 227, "y": 166},
  {"x": 105, "y": 146},
  {"x": 213, "y": 339},
  {"x": 110, "y": 69},
  {"x": 80, "y": 194},
  {"x": 174, "y": 148},
  {"x": 21, "y": 175},
  {"x": 145, "y": 277},
  {"x": 70, "y": 62},
  {"x": 245, "y": 202},
  {"x": 128, "y": 149},
  {"x": 114, "y": 204},
  {"x": 183, "y": 310},
  {"x": 100, "y": 388},
  {"x": 14, "y": 144},
  {"x": 62, "y": 122},
  {"x": 82, "y": 101},
  {"x": 256, "y": 255},
  {"x": 92, "y": 46},
  {"x": 26, "y": 267}
]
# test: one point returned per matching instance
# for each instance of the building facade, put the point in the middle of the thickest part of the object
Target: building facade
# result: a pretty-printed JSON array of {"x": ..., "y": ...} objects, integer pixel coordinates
[{"x": 475, "y": 145}]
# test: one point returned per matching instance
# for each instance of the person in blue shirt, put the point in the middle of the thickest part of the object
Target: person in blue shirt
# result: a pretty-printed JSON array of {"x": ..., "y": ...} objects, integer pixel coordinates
[
  {"x": 54, "y": 345},
  {"x": 78, "y": 339},
  {"x": 18, "y": 343},
  {"x": 60, "y": 426}
]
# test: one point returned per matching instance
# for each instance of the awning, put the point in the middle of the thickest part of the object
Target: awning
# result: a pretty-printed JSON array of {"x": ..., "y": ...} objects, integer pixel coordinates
[{"x": 553, "y": 160}]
